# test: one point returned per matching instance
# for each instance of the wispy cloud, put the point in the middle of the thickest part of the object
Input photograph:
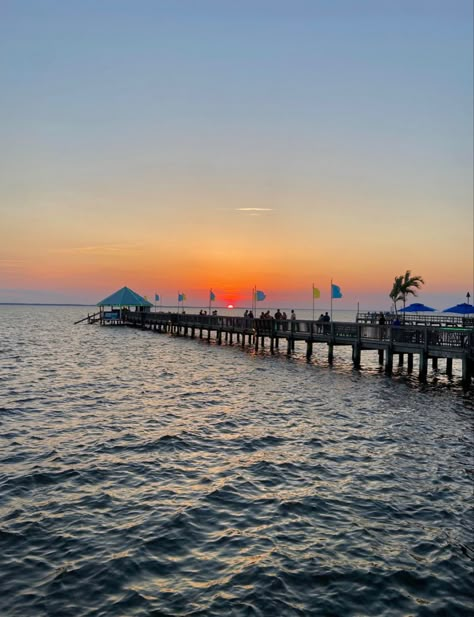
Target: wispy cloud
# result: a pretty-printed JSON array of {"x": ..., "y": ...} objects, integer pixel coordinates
[
  {"x": 254, "y": 209},
  {"x": 11, "y": 264},
  {"x": 100, "y": 249}
]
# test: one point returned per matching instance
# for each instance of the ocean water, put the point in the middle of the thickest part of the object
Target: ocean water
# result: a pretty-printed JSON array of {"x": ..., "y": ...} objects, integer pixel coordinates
[{"x": 143, "y": 474}]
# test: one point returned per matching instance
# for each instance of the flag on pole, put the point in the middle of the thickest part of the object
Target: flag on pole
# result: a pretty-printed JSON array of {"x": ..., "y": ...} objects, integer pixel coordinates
[
  {"x": 335, "y": 291},
  {"x": 157, "y": 297},
  {"x": 212, "y": 296},
  {"x": 181, "y": 297},
  {"x": 259, "y": 296},
  {"x": 316, "y": 292}
]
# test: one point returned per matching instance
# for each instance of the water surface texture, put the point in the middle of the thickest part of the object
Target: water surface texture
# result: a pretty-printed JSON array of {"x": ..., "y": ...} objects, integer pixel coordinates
[{"x": 143, "y": 474}]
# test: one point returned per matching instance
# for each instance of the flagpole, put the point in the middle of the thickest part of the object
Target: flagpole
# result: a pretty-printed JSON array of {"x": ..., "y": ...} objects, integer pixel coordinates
[
  {"x": 210, "y": 292},
  {"x": 331, "y": 300},
  {"x": 313, "y": 301}
]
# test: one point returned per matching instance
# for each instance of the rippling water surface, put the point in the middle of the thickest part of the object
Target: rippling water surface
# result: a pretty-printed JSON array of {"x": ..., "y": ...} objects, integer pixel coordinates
[{"x": 142, "y": 474}]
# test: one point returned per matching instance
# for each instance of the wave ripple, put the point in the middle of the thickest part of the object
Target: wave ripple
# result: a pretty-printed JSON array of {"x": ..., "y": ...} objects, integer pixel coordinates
[{"x": 196, "y": 480}]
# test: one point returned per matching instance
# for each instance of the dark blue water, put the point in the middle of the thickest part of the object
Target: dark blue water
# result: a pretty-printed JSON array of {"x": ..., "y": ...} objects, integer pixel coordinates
[{"x": 142, "y": 474}]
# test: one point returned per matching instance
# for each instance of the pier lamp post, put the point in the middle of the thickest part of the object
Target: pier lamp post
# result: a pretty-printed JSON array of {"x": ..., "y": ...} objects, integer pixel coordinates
[{"x": 468, "y": 295}]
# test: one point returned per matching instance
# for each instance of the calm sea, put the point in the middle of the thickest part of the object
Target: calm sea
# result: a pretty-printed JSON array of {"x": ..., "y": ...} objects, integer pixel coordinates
[{"x": 142, "y": 474}]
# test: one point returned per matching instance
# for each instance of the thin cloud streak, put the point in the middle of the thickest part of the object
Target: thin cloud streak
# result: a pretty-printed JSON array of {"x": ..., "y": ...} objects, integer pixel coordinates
[{"x": 100, "y": 249}]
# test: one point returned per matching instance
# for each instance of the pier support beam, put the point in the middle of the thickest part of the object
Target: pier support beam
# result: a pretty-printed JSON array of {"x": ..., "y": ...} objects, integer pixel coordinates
[
  {"x": 330, "y": 353},
  {"x": 400, "y": 359},
  {"x": 449, "y": 367},
  {"x": 309, "y": 350},
  {"x": 356, "y": 355},
  {"x": 434, "y": 363},
  {"x": 423, "y": 366},
  {"x": 410, "y": 362},
  {"x": 381, "y": 357},
  {"x": 389, "y": 361},
  {"x": 467, "y": 371}
]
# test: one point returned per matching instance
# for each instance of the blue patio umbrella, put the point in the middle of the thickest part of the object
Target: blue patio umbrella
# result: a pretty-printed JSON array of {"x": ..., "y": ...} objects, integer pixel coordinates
[
  {"x": 461, "y": 309},
  {"x": 417, "y": 307}
]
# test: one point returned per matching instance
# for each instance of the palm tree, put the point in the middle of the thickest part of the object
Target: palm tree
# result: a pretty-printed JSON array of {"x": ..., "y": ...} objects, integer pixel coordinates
[
  {"x": 403, "y": 286},
  {"x": 396, "y": 294}
]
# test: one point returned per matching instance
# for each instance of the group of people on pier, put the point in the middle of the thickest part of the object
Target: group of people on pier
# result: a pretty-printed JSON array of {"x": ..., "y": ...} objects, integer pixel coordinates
[{"x": 279, "y": 316}]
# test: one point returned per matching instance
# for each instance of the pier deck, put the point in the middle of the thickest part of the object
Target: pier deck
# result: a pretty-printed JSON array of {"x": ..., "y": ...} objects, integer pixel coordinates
[{"x": 429, "y": 342}]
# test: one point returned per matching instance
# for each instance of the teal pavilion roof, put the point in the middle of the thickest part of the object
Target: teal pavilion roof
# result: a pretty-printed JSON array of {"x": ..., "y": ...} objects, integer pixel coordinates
[{"x": 124, "y": 297}]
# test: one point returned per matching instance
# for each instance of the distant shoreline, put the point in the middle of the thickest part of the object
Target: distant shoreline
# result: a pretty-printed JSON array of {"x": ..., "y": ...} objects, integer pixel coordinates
[{"x": 42, "y": 304}]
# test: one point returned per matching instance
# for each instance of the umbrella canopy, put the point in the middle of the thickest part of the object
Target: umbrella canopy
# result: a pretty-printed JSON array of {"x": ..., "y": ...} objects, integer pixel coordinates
[
  {"x": 417, "y": 307},
  {"x": 461, "y": 309},
  {"x": 124, "y": 297}
]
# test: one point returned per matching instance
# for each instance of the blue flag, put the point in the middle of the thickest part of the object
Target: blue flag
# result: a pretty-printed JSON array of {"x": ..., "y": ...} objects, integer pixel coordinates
[
  {"x": 336, "y": 291},
  {"x": 157, "y": 298},
  {"x": 212, "y": 296},
  {"x": 259, "y": 296},
  {"x": 181, "y": 297}
]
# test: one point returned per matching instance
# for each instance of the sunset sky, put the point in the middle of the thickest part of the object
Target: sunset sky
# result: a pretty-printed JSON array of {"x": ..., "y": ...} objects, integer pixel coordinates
[{"x": 181, "y": 145}]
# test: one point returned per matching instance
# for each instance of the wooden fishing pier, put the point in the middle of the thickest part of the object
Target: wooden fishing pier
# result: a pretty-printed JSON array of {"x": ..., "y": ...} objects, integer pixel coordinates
[{"x": 431, "y": 339}]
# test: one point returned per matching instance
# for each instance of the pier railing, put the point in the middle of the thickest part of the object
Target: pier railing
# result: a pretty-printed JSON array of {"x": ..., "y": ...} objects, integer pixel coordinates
[
  {"x": 420, "y": 319},
  {"x": 369, "y": 336}
]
